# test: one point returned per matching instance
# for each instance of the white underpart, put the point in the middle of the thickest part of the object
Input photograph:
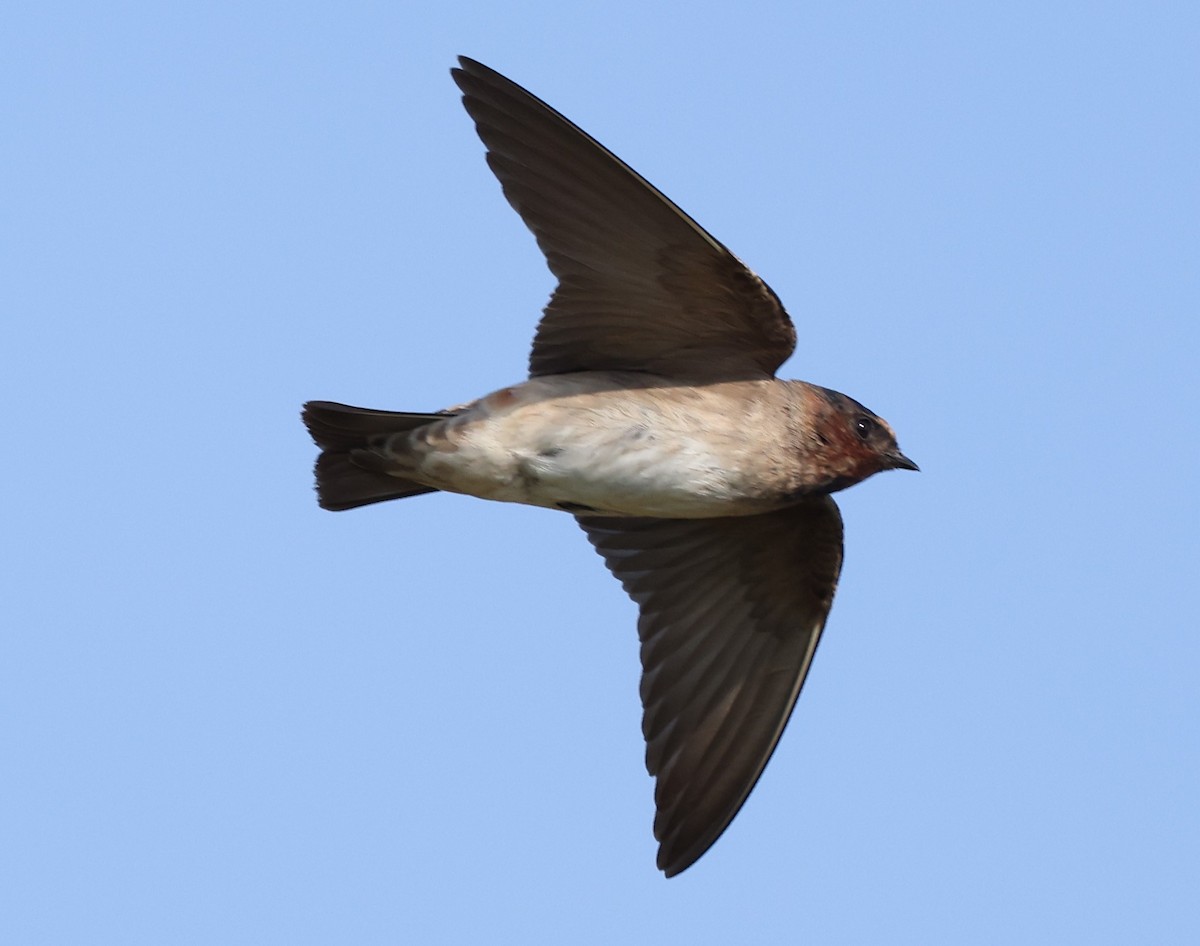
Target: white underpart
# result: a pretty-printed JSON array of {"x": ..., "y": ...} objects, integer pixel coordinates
[{"x": 558, "y": 442}]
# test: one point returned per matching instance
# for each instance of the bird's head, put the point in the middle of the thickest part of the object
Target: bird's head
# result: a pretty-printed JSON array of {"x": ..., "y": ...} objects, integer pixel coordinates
[{"x": 850, "y": 442}]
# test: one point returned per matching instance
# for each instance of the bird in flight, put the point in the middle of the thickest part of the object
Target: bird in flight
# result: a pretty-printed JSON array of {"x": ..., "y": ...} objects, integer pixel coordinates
[{"x": 652, "y": 414}]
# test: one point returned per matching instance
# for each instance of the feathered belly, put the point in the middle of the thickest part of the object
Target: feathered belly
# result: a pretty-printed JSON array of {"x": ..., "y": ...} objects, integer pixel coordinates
[{"x": 630, "y": 460}]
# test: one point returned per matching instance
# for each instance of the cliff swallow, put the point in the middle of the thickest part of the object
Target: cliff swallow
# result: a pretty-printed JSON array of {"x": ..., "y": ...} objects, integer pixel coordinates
[{"x": 653, "y": 415}]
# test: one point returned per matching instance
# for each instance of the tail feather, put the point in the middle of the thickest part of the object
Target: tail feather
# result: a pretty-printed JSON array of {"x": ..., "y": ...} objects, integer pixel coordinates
[{"x": 346, "y": 477}]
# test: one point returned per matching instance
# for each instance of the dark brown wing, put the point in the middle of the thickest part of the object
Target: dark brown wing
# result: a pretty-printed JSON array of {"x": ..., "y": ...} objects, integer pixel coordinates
[
  {"x": 642, "y": 287},
  {"x": 731, "y": 612}
]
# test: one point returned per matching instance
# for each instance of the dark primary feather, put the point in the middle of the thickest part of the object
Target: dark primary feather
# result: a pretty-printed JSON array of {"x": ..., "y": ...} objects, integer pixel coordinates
[
  {"x": 731, "y": 611},
  {"x": 642, "y": 286}
]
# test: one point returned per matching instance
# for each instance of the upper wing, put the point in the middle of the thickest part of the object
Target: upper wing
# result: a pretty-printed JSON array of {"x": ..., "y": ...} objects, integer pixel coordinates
[
  {"x": 642, "y": 286},
  {"x": 731, "y": 612}
]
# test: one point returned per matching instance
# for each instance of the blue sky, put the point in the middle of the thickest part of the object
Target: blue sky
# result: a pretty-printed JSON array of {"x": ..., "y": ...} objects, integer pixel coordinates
[{"x": 230, "y": 717}]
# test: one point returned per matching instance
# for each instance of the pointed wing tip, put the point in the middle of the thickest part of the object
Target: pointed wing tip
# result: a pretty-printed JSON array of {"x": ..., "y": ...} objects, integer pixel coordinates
[
  {"x": 473, "y": 67},
  {"x": 473, "y": 78},
  {"x": 466, "y": 67},
  {"x": 672, "y": 861},
  {"x": 679, "y": 849}
]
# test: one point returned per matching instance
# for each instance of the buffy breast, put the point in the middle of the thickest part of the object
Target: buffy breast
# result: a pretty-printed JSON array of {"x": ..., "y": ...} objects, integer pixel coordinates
[{"x": 622, "y": 452}]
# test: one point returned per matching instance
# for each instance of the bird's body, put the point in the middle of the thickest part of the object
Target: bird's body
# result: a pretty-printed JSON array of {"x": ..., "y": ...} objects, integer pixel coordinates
[
  {"x": 652, "y": 413},
  {"x": 602, "y": 442},
  {"x": 624, "y": 444}
]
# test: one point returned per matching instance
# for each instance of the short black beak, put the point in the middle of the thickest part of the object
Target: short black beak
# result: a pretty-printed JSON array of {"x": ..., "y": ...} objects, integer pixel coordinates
[{"x": 898, "y": 461}]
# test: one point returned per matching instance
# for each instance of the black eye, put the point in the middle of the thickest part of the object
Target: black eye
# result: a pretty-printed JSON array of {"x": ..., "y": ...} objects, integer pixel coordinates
[{"x": 864, "y": 427}]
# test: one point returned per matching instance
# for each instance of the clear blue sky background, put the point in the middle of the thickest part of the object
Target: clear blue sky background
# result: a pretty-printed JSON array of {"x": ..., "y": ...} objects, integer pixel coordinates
[{"x": 229, "y": 717}]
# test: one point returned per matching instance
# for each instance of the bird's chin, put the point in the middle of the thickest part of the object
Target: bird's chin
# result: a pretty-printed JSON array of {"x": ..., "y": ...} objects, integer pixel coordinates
[
  {"x": 838, "y": 483},
  {"x": 896, "y": 461}
]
